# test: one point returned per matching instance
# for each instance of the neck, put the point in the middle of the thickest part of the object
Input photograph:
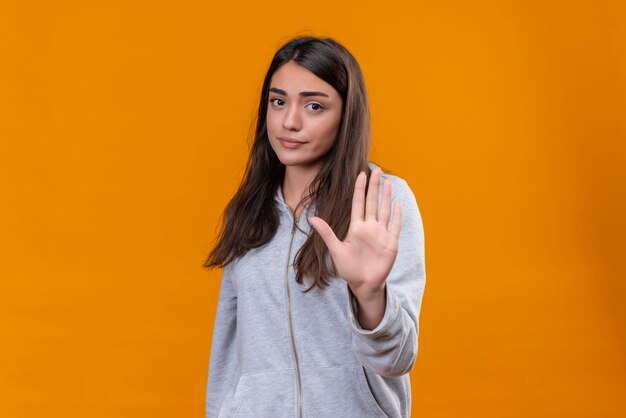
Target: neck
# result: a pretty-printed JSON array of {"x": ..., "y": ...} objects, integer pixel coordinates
[{"x": 296, "y": 183}]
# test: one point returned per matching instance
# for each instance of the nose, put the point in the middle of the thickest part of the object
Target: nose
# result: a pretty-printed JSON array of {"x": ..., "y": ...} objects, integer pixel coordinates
[{"x": 292, "y": 121}]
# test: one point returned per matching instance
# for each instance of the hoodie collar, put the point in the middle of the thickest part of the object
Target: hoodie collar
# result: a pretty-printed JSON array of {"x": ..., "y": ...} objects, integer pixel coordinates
[{"x": 283, "y": 207}]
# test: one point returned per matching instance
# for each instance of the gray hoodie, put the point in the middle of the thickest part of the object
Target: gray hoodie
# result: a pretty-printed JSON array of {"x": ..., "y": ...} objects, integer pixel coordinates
[{"x": 280, "y": 353}]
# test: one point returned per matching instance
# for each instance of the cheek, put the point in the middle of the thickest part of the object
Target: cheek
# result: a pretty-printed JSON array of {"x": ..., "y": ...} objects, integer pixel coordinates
[
  {"x": 269, "y": 122},
  {"x": 273, "y": 127},
  {"x": 328, "y": 131}
]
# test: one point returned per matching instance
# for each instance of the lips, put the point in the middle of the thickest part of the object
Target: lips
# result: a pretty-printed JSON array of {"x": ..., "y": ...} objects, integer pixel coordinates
[
  {"x": 290, "y": 140},
  {"x": 290, "y": 143}
]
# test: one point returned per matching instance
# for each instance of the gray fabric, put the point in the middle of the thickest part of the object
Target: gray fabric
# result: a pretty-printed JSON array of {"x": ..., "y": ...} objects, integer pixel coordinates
[{"x": 345, "y": 371}]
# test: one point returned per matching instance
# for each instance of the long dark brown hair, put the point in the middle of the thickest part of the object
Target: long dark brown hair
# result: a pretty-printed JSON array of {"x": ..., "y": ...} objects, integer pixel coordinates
[{"x": 251, "y": 218}]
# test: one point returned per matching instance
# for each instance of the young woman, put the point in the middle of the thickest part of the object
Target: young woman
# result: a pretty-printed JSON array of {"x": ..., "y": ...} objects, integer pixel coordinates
[{"x": 322, "y": 256}]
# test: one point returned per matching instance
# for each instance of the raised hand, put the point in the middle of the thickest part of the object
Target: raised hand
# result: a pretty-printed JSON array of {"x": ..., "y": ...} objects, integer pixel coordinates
[{"x": 366, "y": 256}]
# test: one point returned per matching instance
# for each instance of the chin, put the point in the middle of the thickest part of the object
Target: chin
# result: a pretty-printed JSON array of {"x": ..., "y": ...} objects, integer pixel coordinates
[
  {"x": 303, "y": 163},
  {"x": 292, "y": 161},
  {"x": 292, "y": 158}
]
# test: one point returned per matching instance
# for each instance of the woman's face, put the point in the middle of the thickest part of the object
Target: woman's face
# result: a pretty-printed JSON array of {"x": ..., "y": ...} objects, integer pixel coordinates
[{"x": 303, "y": 116}]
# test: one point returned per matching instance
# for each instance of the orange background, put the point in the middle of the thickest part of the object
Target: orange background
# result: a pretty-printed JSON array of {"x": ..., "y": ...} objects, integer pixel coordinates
[{"x": 123, "y": 131}]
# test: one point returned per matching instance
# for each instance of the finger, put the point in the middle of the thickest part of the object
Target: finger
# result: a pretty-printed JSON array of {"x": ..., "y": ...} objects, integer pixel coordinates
[
  {"x": 385, "y": 207},
  {"x": 371, "y": 204},
  {"x": 326, "y": 232},
  {"x": 358, "y": 199},
  {"x": 396, "y": 224}
]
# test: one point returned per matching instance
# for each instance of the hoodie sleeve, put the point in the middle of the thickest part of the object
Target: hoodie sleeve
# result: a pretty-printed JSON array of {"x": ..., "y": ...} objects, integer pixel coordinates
[
  {"x": 390, "y": 349},
  {"x": 223, "y": 364}
]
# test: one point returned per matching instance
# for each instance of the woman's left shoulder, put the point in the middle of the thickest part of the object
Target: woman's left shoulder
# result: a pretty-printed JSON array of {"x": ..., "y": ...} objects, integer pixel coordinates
[
  {"x": 399, "y": 186},
  {"x": 401, "y": 192}
]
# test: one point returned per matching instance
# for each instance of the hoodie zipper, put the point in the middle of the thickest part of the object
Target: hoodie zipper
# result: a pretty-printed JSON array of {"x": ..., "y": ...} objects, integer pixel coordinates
[{"x": 293, "y": 342}]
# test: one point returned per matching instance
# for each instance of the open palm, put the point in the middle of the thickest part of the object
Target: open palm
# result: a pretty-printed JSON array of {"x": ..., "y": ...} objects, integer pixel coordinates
[{"x": 366, "y": 256}]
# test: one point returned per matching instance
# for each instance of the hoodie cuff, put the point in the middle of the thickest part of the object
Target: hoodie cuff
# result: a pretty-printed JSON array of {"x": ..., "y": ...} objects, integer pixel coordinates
[{"x": 392, "y": 307}]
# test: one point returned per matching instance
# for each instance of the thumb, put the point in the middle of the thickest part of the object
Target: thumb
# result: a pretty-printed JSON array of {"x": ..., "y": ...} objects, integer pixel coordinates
[{"x": 326, "y": 232}]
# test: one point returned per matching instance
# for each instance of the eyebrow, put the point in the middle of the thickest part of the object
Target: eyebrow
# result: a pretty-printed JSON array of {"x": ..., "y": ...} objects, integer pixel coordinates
[{"x": 302, "y": 93}]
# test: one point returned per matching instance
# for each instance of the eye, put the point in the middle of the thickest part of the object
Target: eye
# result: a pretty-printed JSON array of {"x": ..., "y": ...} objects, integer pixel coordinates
[
  {"x": 316, "y": 106},
  {"x": 274, "y": 99}
]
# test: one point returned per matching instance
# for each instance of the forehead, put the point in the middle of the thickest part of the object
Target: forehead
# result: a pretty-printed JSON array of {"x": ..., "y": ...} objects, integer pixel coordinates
[{"x": 294, "y": 78}]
